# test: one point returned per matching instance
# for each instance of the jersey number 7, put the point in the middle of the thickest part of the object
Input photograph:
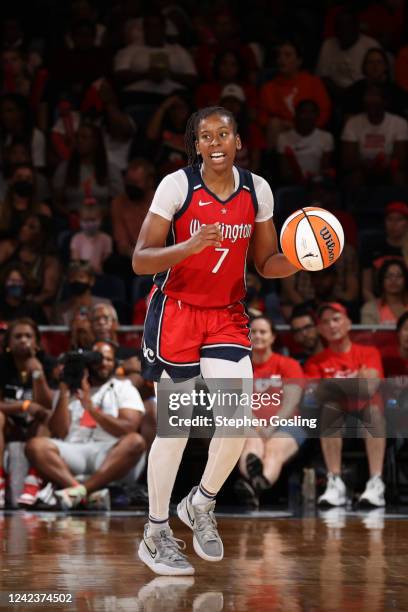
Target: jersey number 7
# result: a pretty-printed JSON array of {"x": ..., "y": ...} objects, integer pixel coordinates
[{"x": 224, "y": 253}]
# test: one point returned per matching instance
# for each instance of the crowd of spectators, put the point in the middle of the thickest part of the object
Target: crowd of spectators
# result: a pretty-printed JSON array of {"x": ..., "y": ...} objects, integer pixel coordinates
[{"x": 94, "y": 100}]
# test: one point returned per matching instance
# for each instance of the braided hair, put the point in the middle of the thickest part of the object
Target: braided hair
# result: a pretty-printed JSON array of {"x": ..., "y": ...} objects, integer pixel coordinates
[{"x": 190, "y": 135}]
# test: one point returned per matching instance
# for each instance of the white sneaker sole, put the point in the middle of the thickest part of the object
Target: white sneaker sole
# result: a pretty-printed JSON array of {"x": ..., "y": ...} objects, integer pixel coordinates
[
  {"x": 160, "y": 568},
  {"x": 26, "y": 500},
  {"x": 183, "y": 516},
  {"x": 325, "y": 502}
]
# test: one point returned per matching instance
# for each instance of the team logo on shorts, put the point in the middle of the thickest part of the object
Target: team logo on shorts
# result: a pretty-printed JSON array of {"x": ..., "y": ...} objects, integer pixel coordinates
[{"x": 148, "y": 353}]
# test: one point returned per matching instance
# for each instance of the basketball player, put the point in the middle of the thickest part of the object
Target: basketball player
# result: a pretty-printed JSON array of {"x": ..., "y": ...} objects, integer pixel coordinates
[{"x": 195, "y": 240}]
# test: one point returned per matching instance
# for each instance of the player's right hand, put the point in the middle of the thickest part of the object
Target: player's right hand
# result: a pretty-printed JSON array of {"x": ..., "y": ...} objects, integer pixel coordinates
[{"x": 208, "y": 235}]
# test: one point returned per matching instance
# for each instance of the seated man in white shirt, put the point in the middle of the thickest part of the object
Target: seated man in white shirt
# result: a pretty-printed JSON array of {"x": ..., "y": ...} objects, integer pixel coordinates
[
  {"x": 375, "y": 143},
  {"x": 341, "y": 57},
  {"x": 305, "y": 151},
  {"x": 154, "y": 70},
  {"x": 94, "y": 431}
]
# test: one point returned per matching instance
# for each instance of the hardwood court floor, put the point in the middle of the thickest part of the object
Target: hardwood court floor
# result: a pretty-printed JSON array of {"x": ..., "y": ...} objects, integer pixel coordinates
[{"x": 333, "y": 562}]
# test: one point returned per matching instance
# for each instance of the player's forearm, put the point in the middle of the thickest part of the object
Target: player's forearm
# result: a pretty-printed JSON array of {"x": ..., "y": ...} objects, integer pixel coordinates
[
  {"x": 276, "y": 266},
  {"x": 42, "y": 394},
  {"x": 152, "y": 260},
  {"x": 115, "y": 426},
  {"x": 60, "y": 420}
]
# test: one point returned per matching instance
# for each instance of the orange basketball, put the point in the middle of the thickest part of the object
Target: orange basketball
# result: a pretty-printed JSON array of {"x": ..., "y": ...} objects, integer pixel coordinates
[{"x": 312, "y": 238}]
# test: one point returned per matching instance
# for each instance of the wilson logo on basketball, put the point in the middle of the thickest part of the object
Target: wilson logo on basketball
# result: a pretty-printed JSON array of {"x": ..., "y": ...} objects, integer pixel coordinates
[{"x": 330, "y": 244}]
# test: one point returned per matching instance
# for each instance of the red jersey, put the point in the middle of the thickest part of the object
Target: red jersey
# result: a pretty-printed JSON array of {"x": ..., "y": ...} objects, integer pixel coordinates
[
  {"x": 269, "y": 377},
  {"x": 330, "y": 364},
  {"x": 215, "y": 277}
]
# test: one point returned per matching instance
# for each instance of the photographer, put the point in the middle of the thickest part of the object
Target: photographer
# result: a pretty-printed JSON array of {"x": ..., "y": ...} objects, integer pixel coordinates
[
  {"x": 25, "y": 396},
  {"x": 94, "y": 428},
  {"x": 104, "y": 326}
]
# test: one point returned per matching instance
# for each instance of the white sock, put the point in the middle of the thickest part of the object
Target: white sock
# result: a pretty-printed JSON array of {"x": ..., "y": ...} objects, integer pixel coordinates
[
  {"x": 199, "y": 498},
  {"x": 157, "y": 527},
  {"x": 164, "y": 460}
]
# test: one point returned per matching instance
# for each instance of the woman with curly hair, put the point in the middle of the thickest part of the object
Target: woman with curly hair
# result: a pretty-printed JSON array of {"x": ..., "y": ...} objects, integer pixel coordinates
[{"x": 393, "y": 295}]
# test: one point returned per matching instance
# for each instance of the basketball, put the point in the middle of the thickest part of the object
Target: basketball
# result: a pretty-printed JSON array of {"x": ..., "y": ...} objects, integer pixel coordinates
[{"x": 312, "y": 238}]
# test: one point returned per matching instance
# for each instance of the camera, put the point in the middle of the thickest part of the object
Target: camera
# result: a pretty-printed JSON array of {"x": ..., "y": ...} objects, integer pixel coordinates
[{"x": 75, "y": 363}]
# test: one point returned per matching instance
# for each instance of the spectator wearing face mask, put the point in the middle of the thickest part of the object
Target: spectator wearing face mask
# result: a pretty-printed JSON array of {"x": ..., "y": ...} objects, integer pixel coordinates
[
  {"x": 19, "y": 201},
  {"x": 91, "y": 244},
  {"x": 81, "y": 279},
  {"x": 13, "y": 299},
  {"x": 17, "y": 155}
]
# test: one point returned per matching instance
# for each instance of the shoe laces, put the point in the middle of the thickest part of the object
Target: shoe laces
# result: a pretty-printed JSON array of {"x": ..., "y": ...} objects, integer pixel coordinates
[
  {"x": 170, "y": 546},
  {"x": 205, "y": 522}
]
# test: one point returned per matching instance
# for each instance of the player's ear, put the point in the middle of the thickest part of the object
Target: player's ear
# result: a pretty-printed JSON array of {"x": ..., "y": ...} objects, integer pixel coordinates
[
  {"x": 238, "y": 141},
  {"x": 197, "y": 148}
]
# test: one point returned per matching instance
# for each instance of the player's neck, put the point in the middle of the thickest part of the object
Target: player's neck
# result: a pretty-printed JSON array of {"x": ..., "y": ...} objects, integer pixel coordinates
[
  {"x": 222, "y": 184},
  {"x": 341, "y": 346},
  {"x": 261, "y": 356}
]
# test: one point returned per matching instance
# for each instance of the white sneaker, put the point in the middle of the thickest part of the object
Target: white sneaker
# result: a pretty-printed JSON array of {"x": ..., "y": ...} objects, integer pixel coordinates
[
  {"x": 374, "y": 493},
  {"x": 99, "y": 500},
  {"x": 206, "y": 540},
  {"x": 45, "y": 499},
  {"x": 335, "y": 493},
  {"x": 162, "y": 553}
]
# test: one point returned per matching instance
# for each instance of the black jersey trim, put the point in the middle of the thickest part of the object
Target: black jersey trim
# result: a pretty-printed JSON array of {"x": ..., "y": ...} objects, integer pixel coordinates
[
  {"x": 194, "y": 181},
  {"x": 232, "y": 196},
  {"x": 248, "y": 182}
]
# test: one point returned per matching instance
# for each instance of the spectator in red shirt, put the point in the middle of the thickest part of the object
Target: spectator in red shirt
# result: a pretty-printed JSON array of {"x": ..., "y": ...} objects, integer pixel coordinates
[
  {"x": 344, "y": 359},
  {"x": 280, "y": 96},
  {"x": 266, "y": 452}
]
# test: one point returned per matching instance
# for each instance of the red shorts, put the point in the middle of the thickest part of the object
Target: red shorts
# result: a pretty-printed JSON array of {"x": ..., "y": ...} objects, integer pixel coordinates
[{"x": 176, "y": 335}]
